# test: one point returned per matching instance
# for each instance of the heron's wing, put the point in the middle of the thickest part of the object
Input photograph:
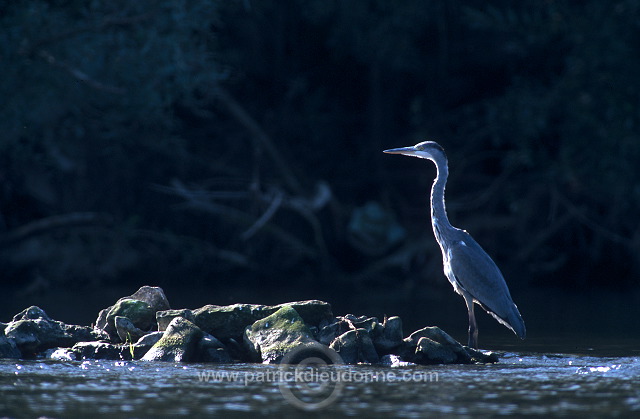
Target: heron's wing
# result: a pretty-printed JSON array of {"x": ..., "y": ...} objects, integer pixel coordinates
[{"x": 479, "y": 276}]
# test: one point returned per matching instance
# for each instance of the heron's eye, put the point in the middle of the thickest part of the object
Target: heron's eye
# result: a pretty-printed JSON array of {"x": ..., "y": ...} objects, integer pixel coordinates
[{"x": 420, "y": 147}]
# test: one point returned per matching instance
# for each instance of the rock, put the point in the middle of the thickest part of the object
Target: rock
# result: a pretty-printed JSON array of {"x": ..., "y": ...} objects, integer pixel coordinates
[
  {"x": 35, "y": 335},
  {"x": 313, "y": 312},
  {"x": 431, "y": 345},
  {"x": 342, "y": 324},
  {"x": 211, "y": 349},
  {"x": 154, "y": 296},
  {"x": 138, "y": 312},
  {"x": 164, "y": 317},
  {"x": 270, "y": 338},
  {"x": 229, "y": 322},
  {"x": 101, "y": 350},
  {"x": 150, "y": 339},
  {"x": 355, "y": 346},
  {"x": 60, "y": 354},
  {"x": 31, "y": 313},
  {"x": 178, "y": 344},
  {"x": 8, "y": 347},
  {"x": 145, "y": 343},
  {"x": 127, "y": 331},
  {"x": 480, "y": 357},
  {"x": 431, "y": 352},
  {"x": 391, "y": 336}
]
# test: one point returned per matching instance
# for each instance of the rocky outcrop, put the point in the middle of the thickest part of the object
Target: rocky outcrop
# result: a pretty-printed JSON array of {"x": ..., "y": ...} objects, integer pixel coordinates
[{"x": 142, "y": 326}]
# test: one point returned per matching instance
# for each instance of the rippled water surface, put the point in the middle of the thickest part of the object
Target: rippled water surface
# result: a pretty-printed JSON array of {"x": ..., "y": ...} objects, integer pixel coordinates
[{"x": 603, "y": 383}]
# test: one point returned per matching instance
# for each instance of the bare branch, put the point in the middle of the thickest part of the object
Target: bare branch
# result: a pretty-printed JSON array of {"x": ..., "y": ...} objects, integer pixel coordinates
[{"x": 238, "y": 112}]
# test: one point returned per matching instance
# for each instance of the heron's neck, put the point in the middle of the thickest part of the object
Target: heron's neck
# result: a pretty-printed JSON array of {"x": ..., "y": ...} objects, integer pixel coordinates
[{"x": 439, "y": 219}]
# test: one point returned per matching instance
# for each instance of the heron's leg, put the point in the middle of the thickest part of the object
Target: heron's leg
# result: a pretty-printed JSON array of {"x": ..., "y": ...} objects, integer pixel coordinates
[{"x": 473, "y": 327}]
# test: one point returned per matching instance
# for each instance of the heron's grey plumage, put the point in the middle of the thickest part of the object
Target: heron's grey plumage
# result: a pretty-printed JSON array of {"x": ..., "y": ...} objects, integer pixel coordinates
[{"x": 468, "y": 267}]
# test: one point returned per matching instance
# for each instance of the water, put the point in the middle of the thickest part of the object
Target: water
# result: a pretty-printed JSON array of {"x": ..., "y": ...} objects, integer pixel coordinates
[{"x": 598, "y": 382}]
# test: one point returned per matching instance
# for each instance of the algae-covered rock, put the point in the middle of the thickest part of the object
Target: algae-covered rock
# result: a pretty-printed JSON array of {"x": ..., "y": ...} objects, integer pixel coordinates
[
  {"x": 355, "y": 346},
  {"x": 270, "y": 338},
  {"x": 164, "y": 317},
  {"x": 138, "y": 312},
  {"x": 153, "y": 297},
  {"x": 229, "y": 322},
  {"x": 312, "y": 312},
  {"x": 178, "y": 344}
]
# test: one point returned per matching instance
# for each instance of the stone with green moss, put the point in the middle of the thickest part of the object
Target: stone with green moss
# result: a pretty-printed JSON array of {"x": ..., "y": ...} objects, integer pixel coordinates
[
  {"x": 229, "y": 322},
  {"x": 141, "y": 314},
  {"x": 179, "y": 343},
  {"x": 270, "y": 338}
]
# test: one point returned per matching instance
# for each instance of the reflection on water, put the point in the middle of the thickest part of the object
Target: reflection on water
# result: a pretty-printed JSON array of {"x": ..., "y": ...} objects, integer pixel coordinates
[{"x": 522, "y": 383}]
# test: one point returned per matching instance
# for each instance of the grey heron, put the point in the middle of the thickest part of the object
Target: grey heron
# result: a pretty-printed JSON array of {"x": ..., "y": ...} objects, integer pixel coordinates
[{"x": 468, "y": 267}]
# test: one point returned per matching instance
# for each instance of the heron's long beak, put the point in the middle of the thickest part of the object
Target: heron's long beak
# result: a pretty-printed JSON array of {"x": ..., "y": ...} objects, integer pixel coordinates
[{"x": 407, "y": 151}]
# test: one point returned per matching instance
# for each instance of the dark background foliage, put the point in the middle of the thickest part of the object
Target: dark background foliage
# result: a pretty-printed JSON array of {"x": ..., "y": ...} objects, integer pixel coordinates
[{"x": 231, "y": 152}]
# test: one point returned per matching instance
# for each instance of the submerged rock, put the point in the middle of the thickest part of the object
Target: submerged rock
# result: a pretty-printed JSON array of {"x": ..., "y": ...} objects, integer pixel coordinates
[
  {"x": 270, "y": 338},
  {"x": 355, "y": 346},
  {"x": 164, "y": 317},
  {"x": 178, "y": 343}
]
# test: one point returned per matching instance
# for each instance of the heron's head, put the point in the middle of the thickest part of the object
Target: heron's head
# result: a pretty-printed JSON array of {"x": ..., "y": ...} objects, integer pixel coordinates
[{"x": 424, "y": 150}]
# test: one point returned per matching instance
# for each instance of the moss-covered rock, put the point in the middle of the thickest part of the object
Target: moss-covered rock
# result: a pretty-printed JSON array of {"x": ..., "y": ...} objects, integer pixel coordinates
[
  {"x": 153, "y": 297},
  {"x": 141, "y": 314},
  {"x": 178, "y": 343},
  {"x": 229, "y": 322},
  {"x": 270, "y": 338}
]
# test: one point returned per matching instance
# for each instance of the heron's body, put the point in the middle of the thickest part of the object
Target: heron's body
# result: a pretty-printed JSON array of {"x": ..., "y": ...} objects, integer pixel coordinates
[{"x": 468, "y": 267}]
